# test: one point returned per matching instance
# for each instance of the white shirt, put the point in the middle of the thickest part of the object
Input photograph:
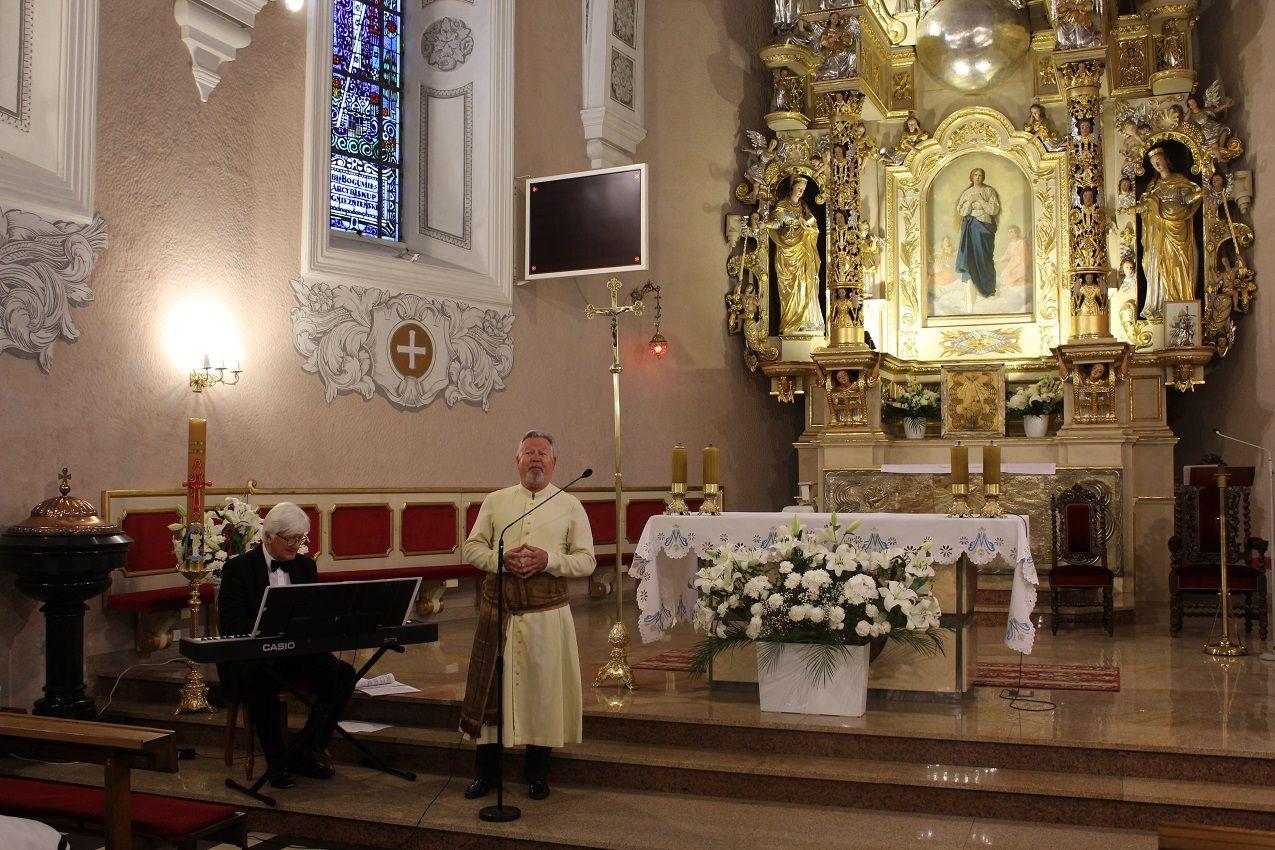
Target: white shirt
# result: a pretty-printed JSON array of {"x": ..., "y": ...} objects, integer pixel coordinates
[{"x": 277, "y": 578}]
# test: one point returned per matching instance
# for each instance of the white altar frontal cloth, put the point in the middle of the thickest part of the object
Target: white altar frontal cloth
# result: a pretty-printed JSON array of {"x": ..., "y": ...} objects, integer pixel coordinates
[{"x": 667, "y": 556}]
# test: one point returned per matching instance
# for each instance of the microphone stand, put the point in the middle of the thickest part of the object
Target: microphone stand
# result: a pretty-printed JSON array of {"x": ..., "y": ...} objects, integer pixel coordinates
[
  {"x": 500, "y": 813},
  {"x": 1268, "y": 655}
]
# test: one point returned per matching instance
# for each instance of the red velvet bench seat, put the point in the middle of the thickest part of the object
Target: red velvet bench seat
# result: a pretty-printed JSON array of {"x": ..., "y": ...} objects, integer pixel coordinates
[{"x": 157, "y": 821}]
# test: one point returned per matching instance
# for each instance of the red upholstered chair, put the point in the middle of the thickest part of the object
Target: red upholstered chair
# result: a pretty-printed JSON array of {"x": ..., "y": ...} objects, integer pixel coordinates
[
  {"x": 1195, "y": 572},
  {"x": 1081, "y": 524}
]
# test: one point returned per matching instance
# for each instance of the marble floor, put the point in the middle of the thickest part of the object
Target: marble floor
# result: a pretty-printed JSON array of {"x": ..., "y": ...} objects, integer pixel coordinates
[
  {"x": 620, "y": 819},
  {"x": 1172, "y": 697}
]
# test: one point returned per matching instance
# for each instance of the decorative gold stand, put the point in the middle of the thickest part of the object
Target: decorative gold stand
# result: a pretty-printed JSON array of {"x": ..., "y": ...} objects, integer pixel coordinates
[
  {"x": 618, "y": 665},
  {"x": 194, "y": 694},
  {"x": 991, "y": 501},
  {"x": 1224, "y": 647},
  {"x": 960, "y": 501},
  {"x": 712, "y": 504},
  {"x": 677, "y": 501}
]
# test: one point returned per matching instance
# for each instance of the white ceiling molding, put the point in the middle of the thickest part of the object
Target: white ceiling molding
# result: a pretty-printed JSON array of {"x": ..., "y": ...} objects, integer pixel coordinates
[
  {"x": 213, "y": 31},
  {"x": 47, "y": 142},
  {"x": 613, "y": 113}
]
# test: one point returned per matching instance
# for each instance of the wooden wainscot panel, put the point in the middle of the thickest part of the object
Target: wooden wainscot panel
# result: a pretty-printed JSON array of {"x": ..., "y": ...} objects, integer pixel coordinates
[
  {"x": 361, "y": 531},
  {"x": 429, "y": 528},
  {"x": 152, "y": 549}
]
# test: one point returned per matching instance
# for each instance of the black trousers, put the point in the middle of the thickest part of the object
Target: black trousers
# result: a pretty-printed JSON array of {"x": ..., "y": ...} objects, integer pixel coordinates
[
  {"x": 327, "y": 677},
  {"x": 487, "y": 757}
]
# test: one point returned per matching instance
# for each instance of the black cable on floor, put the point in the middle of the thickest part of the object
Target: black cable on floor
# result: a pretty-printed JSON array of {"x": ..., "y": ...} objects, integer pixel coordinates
[
  {"x": 451, "y": 773},
  {"x": 1021, "y": 703}
]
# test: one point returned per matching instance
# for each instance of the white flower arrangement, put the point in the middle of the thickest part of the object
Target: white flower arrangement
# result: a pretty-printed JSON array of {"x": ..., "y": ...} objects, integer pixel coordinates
[
  {"x": 914, "y": 401},
  {"x": 815, "y": 587},
  {"x": 229, "y": 530},
  {"x": 1039, "y": 399}
]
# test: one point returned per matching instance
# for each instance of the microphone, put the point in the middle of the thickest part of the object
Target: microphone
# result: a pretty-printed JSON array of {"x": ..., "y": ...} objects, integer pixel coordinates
[{"x": 1262, "y": 449}]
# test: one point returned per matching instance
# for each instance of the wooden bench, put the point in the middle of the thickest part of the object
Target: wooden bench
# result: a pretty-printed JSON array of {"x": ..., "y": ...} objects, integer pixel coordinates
[
  {"x": 119, "y": 749},
  {"x": 1182, "y": 836}
]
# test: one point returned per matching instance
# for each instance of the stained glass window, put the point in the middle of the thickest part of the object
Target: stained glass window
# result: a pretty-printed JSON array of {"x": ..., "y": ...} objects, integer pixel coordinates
[{"x": 366, "y": 103}]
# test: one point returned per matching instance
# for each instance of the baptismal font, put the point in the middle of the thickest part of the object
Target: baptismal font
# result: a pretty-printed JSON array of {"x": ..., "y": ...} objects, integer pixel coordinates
[{"x": 892, "y": 235}]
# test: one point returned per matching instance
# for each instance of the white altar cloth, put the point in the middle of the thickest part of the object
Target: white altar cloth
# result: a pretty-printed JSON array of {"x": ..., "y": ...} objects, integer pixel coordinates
[
  {"x": 666, "y": 558},
  {"x": 976, "y": 468}
]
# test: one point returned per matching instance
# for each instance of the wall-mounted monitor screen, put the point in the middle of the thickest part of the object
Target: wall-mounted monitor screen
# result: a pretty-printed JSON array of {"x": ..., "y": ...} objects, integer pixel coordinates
[{"x": 589, "y": 222}]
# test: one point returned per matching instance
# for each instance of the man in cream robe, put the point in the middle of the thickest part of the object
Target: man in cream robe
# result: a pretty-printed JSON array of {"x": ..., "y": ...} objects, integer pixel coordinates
[{"x": 542, "y": 694}]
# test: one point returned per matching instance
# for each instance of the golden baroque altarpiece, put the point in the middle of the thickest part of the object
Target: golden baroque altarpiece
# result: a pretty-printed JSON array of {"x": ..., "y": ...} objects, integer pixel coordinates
[{"x": 1088, "y": 220}]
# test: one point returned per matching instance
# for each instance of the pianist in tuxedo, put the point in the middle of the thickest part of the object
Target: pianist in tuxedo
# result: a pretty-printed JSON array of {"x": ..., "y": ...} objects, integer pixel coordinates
[{"x": 244, "y": 579}]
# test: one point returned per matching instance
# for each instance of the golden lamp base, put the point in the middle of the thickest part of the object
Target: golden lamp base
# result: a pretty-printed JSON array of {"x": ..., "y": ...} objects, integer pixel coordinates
[
  {"x": 712, "y": 504},
  {"x": 992, "y": 501},
  {"x": 960, "y": 501},
  {"x": 1224, "y": 648},
  {"x": 617, "y": 666},
  {"x": 194, "y": 694},
  {"x": 677, "y": 501}
]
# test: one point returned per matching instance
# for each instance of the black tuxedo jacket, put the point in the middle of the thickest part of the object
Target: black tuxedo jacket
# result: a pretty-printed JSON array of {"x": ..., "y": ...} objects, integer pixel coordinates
[{"x": 244, "y": 580}]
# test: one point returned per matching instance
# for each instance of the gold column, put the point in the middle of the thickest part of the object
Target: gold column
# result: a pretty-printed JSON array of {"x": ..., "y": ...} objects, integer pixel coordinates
[
  {"x": 849, "y": 146},
  {"x": 1080, "y": 74}
]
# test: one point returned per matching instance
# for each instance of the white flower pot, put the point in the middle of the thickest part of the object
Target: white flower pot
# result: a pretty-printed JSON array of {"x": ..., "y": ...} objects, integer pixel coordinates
[
  {"x": 914, "y": 427},
  {"x": 1036, "y": 426},
  {"x": 785, "y": 684}
]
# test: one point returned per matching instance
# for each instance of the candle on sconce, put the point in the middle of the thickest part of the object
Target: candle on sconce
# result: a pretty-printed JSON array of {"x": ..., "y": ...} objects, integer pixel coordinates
[
  {"x": 992, "y": 464},
  {"x": 710, "y": 465},
  {"x": 679, "y": 464},
  {"x": 960, "y": 464}
]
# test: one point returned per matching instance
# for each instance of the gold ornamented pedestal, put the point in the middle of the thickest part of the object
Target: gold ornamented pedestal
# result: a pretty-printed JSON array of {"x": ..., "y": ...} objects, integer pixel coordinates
[{"x": 194, "y": 693}]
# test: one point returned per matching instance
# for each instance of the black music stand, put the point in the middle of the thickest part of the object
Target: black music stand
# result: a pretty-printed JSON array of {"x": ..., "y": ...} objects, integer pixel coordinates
[{"x": 331, "y": 610}]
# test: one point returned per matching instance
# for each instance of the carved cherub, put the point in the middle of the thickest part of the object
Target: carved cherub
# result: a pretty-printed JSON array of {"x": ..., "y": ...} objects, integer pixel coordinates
[
  {"x": 761, "y": 156},
  {"x": 1039, "y": 125},
  {"x": 1206, "y": 116}
]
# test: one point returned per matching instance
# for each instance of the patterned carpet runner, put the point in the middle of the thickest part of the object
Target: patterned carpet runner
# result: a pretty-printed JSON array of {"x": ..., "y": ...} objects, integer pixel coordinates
[{"x": 1061, "y": 677}]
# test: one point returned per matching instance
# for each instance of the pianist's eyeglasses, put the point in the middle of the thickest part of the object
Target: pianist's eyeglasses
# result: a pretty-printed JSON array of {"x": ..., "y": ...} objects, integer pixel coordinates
[{"x": 295, "y": 539}]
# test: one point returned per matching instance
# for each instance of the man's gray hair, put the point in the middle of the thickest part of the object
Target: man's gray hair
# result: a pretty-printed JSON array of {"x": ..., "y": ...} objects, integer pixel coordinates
[
  {"x": 286, "y": 519},
  {"x": 542, "y": 435}
]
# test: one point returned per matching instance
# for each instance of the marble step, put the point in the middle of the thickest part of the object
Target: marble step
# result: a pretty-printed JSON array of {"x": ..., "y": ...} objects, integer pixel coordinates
[
  {"x": 891, "y": 784},
  {"x": 795, "y": 735}
]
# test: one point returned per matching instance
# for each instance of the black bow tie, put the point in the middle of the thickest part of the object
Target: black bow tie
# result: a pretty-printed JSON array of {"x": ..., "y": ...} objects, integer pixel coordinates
[{"x": 280, "y": 565}]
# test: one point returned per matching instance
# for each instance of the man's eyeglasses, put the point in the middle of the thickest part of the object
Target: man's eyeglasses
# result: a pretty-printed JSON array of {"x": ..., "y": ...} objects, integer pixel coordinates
[{"x": 295, "y": 539}]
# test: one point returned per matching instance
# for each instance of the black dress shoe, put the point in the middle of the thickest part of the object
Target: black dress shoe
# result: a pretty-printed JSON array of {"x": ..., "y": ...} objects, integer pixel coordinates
[
  {"x": 317, "y": 766},
  {"x": 538, "y": 790},
  {"x": 477, "y": 788},
  {"x": 282, "y": 779}
]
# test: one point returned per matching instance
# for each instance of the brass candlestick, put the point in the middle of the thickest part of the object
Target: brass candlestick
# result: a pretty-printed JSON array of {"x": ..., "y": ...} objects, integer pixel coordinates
[
  {"x": 712, "y": 504},
  {"x": 677, "y": 501},
  {"x": 960, "y": 501},
  {"x": 1224, "y": 647},
  {"x": 194, "y": 694},
  {"x": 991, "y": 501}
]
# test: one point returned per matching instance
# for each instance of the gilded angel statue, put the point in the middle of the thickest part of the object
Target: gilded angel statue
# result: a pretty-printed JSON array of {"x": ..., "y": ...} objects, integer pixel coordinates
[
  {"x": 761, "y": 170},
  {"x": 1077, "y": 23},
  {"x": 1205, "y": 116}
]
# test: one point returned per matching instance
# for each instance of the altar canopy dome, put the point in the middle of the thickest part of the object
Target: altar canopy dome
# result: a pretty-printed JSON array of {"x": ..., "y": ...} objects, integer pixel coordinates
[{"x": 969, "y": 45}]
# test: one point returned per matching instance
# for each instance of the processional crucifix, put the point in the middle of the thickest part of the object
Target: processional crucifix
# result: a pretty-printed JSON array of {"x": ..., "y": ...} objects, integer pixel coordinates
[{"x": 617, "y": 666}]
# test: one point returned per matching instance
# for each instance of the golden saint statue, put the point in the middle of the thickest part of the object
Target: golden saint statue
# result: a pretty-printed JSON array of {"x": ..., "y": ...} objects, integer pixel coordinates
[
  {"x": 795, "y": 234},
  {"x": 1167, "y": 208}
]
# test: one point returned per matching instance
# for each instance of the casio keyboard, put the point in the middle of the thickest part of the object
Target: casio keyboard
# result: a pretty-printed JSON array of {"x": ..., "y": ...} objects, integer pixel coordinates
[{"x": 213, "y": 650}]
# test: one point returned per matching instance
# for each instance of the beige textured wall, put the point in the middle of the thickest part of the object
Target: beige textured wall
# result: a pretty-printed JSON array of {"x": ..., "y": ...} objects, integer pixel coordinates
[
  {"x": 206, "y": 198},
  {"x": 1239, "y": 395}
]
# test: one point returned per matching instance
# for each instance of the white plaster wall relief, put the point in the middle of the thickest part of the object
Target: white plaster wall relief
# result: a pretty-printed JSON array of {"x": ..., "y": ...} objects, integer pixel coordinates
[
  {"x": 44, "y": 270},
  {"x": 612, "y": 112},
  {"x": 447, "y": 43},
  {"x": 410, "y": 348},
  {"x": 17, "y": 35},
  {"x": 446, "y": 151},
  {"x": 214, "y": 31}
]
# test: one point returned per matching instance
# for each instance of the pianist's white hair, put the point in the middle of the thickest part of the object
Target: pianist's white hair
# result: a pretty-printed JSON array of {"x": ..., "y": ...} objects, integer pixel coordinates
[{"x": 285, "y": 519}]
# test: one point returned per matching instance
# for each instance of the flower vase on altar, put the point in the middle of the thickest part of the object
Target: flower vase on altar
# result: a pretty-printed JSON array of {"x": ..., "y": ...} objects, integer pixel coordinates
[
  {"x": 915, "y": 404},
  {"x": 785, "y": 685},
  {"x": 1036, "y": 426},
  {"x": 914, "y": 427}
]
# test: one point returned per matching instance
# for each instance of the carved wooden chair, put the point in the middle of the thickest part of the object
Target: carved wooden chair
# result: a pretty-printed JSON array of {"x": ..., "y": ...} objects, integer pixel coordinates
[
  {"x": 1080, "y": 519},
  {"x": 1195, "y": 572}
]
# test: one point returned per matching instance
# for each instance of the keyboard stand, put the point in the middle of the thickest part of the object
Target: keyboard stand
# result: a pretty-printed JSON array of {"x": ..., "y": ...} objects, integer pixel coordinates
[{"x": 301, "y": 743}]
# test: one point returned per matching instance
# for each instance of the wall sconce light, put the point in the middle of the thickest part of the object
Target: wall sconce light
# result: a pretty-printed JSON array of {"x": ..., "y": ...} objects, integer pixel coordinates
[
  {"x": 203, "y": 377},
  {"x": 658, "y": 345}
]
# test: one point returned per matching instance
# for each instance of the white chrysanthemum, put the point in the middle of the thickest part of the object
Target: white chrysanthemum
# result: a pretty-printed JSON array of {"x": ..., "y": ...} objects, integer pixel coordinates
[
  {"x": 785, "y": 567},
  {"x": 816, "y": 615},
  {"x": 871, "y": 610},
  {"x": 754, "y": 628},
  {"x": 836, "y": 616},
  {"x": 863, "y": 628},
  {"x": 775, "y": 602},
  {"x": 797, "y": 613},
  {"x": 792, "y": 581},
  {"x": 756, "y": 609},
  {"x": 757, "y": 587}
]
